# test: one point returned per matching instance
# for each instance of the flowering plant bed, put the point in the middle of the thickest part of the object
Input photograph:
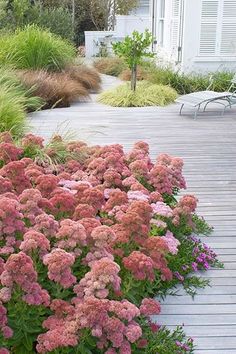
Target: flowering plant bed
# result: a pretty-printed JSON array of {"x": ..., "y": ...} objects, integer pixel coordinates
[{"x": 88, "y": 236}]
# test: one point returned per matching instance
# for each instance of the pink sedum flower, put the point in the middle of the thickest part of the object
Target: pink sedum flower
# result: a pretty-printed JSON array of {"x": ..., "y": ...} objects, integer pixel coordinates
[
  {"x": 150, "y": 307},
  {"x": 59, "y": 264}
]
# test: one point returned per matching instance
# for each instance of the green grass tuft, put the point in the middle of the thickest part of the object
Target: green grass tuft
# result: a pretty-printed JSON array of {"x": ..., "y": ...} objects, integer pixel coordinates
[
  {"x": 146, "y": 94},
  {"x": 35, "y": 48},
  {"x": 15, "y": 101}
]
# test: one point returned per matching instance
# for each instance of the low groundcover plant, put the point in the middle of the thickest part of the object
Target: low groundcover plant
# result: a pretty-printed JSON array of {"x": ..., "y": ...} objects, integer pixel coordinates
[
  {"x": 88, "y": 235},
  {"x": 146, "y": 94}
]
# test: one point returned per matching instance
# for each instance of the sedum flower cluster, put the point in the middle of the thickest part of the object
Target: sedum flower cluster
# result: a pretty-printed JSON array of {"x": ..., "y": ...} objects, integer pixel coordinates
[{"x": 72, "y": 235}]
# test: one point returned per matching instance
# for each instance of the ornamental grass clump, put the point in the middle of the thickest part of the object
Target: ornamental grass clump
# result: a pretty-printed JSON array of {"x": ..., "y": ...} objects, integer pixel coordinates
[
  {"x": 86, "y": 244},
  {"x": 55, "y": 89},
  {"x": 88, "y": 77},
  {"x": 146, "y": 94},
  {"x": 15, "y": 101},
  {"x": 110, "y": 66},
  {"x": 36, "y": 48}
]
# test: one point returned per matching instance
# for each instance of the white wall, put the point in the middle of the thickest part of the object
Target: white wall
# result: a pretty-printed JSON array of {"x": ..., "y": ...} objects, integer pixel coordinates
[
  {"x": 125, "y": 25},
  {"x": 92, "y": 39},
  {"x": 191, "y": 60}
]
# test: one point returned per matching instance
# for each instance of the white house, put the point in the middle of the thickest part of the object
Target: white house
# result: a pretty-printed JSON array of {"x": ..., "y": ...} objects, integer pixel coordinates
[{"x": 197, "y": 35}]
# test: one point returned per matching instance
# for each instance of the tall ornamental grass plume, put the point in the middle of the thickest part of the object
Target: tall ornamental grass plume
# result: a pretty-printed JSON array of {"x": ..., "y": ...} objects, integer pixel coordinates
[
  {"x": 56, "y": 89},
  {"x": 86, "y": 76},
  {"x": 146, "y": 94},
  {"x": 87, "y": 246},
  {"x": 35, "y": 48}
]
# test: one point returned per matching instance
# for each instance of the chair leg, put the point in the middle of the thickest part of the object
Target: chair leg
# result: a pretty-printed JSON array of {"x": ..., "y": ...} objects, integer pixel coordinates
[
  {"x": 181, "y": 108},
  {"x": 204, "y": 110},
  {"x": 196, "y": 112}
]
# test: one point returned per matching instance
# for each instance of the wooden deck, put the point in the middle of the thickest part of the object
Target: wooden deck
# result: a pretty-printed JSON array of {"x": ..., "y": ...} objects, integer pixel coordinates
[{"x": 208, "y": 147}]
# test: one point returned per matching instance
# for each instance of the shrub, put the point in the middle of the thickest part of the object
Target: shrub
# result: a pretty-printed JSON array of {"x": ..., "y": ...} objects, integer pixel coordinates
[
  {"x": 86, "y": 76},
  {"x": 15, "y": 100},
  {"x": 56, "y": 89},
  {"x": 110, "y": 66},
  {"x": 56, "y": 20},
  {"x": 146, "y": 95},
  {"x": 88, "y": 243},
  {"x": 34, "y": 48}
]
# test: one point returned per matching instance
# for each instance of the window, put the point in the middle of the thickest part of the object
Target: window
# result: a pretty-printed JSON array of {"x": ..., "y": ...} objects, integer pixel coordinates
[{"x": 218, "y": 28}]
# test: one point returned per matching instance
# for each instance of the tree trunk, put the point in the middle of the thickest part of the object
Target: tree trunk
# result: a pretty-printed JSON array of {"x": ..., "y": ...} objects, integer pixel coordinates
[
  {"x": 73, "y": 13},
  {"x": 134, "y": 78}
]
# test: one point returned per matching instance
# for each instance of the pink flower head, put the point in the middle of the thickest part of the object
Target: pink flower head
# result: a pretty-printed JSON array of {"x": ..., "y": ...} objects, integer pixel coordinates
[
  {"x": 31, "y": 140},
  {"x": 46, "y": 184},
  {"x": 15, "y": 172},
  {"x": 10, "y": 216},
  {"x": 150, "y": 307},
  {"x": 139, "y": 169},
  {"x": 188, "y": 203},
  {"x": 162, "y": 209},
  {"x": 63, "y": 202},
  {"x": 172, "y": 242},
  {"x": 84, "y": 211},
  {"x": 5, "y": 185},
  {"x": 103, "y": 236},
  {"x": 46, "y": 224},
  {"x": 59, "y": 264},
  {"x": 90, "y": 224},
  {"x": 140, "y": 265},
  {"x": 71, "y": 235},
  {"x": 137, "y": 195},
  {"x": 19, "y": 270},
  {"x": 9, "y": 152},
  {"x": 104, "y": 273},
  {"x": 34, "y": 240}
]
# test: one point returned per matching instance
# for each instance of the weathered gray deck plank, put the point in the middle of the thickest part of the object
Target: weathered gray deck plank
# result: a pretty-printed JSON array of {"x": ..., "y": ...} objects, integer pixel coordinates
[{"x": 208, "y": 147}]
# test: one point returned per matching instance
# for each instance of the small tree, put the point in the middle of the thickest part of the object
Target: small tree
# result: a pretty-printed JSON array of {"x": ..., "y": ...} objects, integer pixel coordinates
[{"x": 133, "y": 49}]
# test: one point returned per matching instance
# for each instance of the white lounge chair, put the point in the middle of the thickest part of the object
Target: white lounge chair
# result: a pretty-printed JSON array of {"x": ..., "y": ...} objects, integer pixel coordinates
[{"x": 197, "y": 99}]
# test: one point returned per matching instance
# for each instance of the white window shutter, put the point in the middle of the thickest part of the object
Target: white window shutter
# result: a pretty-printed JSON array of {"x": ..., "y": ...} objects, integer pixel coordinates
[
  {"x": 175, "y": 27},
  {"x": 228, "y": 30},
  {"x": 209, "y": 21}
]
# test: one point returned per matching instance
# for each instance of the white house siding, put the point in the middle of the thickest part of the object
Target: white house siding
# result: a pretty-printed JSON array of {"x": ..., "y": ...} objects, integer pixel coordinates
[
  {"x": 125, "y": 25},
  {"x": 209, "y": 35},
  {"x": 138, "y": 20}
]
